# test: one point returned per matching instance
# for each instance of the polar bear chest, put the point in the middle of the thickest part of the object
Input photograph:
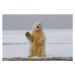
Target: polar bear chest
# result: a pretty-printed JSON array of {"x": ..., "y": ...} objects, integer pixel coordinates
[{"x": 36, "y": 37}]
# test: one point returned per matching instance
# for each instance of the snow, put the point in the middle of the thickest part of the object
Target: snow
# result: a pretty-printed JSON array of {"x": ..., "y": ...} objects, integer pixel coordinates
[{"x": 58, "y": 43}]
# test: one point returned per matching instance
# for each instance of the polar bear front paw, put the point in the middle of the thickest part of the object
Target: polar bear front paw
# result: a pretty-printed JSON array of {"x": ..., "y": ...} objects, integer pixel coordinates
[
  {"x": 40, "y": 41},
  {"x": 27, "y": 34}
]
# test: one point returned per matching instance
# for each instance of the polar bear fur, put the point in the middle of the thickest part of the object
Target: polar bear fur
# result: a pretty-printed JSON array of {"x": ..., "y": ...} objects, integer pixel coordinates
[{"x": 37, "y": 41}]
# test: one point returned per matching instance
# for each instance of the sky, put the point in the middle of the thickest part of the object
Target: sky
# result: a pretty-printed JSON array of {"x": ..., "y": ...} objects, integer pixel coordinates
[{"x": 25, "y": 21}]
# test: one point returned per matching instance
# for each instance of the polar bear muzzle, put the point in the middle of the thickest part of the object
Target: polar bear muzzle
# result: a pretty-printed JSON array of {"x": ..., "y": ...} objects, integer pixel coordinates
[{"x": 37, "y": 26}]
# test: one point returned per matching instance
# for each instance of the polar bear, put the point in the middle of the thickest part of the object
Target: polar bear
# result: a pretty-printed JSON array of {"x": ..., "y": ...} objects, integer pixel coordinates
[{"x": 37, "y": 41}]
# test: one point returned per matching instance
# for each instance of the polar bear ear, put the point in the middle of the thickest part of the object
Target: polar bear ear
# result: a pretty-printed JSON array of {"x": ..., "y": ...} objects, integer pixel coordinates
[{"x": 33, "y": 23}]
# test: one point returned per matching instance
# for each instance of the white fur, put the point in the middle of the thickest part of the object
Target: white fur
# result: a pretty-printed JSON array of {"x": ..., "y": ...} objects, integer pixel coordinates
[{"x": 37, "y": 45}]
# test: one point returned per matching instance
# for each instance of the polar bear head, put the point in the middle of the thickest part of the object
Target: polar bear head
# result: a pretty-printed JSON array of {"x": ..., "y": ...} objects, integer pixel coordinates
[{"x": 37, "y": 26}]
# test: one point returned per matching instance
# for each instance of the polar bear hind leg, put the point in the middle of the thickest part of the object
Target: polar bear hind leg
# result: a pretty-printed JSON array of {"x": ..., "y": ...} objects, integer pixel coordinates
[{"x": 41, "y": 52}]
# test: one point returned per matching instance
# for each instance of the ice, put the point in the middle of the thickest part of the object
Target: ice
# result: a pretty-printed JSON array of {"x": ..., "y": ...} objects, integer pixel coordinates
[{"x": 58, "y": 43}]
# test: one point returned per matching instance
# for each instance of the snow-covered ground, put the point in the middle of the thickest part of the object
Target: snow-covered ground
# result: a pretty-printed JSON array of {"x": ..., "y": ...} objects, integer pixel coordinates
[{"x": 58, "y": 43}]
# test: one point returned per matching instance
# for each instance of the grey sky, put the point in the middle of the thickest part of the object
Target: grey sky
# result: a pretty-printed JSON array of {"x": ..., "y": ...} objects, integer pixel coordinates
[{"x": 24, "y": 22}]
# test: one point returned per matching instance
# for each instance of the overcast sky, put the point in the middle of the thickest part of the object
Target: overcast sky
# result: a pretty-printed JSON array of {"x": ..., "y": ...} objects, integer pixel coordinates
[{"x": 24, "y": 22}]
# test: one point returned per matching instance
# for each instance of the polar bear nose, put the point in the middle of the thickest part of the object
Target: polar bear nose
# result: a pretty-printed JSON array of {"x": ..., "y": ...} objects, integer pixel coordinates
[{"x": 37, "y": 26}]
